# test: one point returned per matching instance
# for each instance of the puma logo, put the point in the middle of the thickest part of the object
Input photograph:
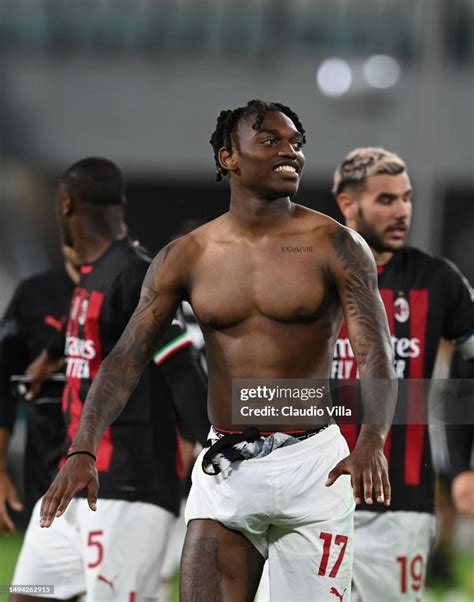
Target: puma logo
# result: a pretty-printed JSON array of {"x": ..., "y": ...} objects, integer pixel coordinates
[
  {"x": 109, "y": 583},
  {"x": 51, "y": 321},
  {"x": 334, "y": 591}
]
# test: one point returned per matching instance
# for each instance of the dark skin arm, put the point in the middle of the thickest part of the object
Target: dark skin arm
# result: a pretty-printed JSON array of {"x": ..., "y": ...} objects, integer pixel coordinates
[
  {"x": 355, "y": 274},
  {"x": 117, "y": 378},
  {"x": 8, "y": 494}
]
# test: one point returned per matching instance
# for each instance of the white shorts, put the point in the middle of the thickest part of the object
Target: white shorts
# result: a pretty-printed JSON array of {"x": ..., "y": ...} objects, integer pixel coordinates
[
  {"x": 390, "y": 555},
  {"x": 114, "y": 553},
  {"x": 279, "y": 502}
]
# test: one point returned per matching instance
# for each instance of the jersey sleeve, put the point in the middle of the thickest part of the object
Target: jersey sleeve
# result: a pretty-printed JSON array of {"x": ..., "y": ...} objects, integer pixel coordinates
[
  {"x": 177, "y": 361},
  {"x": 176, "y": 338},
  {"x": 459, "y": 299},
  {"x": 123, "y": 298}
]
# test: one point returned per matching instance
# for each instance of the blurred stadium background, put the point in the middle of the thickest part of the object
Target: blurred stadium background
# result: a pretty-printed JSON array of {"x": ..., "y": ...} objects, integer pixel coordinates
[{"x": 142, "y": 83}]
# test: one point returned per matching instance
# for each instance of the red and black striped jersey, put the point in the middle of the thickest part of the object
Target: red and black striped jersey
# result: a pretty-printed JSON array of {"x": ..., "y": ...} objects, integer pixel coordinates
[
  {"x": 426, "y": 299},
  {"x": 137, "y": 457}
]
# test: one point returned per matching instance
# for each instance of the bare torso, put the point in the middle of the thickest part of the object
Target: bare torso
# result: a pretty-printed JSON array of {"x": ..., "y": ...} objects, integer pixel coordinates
[
  {"x": 269, "y": 282},
  {"x": 267, "y": 305}
]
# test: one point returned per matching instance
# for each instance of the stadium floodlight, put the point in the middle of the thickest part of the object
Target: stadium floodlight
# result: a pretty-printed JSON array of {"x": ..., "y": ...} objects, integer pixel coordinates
[
  {"x": 381, "y": 71},
  {"x": 334, "y": 77}
]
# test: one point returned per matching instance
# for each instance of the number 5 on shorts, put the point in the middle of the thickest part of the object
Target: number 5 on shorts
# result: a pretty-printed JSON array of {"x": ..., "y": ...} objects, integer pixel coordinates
[
  {"x": 93, "y": 540},
  {"x": 339, "y": 540}
]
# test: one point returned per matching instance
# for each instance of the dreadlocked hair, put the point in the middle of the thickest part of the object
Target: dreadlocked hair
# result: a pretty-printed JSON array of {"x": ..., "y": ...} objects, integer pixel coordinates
[{"x": 227, "y": 120}]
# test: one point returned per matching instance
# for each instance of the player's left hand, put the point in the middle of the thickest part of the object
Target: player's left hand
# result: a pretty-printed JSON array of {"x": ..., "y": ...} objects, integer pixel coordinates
[
  {"x": 368, "y": 468},
  {"x": 77, "y": 474}
]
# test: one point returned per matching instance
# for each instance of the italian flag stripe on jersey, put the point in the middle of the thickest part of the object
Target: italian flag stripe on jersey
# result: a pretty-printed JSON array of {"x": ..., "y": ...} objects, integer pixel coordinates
[{"x": 181, "y": 341}]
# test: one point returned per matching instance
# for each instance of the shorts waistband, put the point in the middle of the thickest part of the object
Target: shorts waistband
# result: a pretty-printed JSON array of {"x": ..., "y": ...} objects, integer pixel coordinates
[
  {"x": 300, "y": 435},
  {"x": 299, "y": 451}
]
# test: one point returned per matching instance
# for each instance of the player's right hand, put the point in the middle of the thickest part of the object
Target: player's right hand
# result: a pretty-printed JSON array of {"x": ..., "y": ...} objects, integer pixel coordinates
[
  {"x": 77, "y": 474},
  {"x": 39, "y": 370},
  {"x": 8, "y": 495}
]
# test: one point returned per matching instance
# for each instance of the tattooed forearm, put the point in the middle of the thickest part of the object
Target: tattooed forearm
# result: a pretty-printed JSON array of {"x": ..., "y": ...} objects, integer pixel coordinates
[
  {"x": 371, "y": 341},
  {"x": 200, "y": 575},
  {"x": 121, "y": 370}
]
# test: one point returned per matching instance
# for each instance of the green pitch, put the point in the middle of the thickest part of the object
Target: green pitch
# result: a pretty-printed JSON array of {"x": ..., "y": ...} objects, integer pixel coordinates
[{"x": 9, "y": 549}]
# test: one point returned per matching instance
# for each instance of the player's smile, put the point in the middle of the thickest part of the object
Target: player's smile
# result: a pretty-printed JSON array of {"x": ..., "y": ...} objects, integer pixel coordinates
[{"x": 288, "y": 169}]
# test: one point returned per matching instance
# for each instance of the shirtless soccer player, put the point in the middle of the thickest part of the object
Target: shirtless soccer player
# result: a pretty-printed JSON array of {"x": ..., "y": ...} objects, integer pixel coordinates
[{"x": 264, "y": 313}]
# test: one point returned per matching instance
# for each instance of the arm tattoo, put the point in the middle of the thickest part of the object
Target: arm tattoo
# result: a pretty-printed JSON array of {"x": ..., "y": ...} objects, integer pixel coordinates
[
  {"x": 121, "y": 369},
  {"x": 201, "y": 574},
  {"x": 371, "y": 340},
  {"x": 370, "y": 337}
]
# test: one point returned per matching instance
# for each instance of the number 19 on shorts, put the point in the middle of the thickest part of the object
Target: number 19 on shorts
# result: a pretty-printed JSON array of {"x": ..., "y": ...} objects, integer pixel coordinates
[{"x": 411, "y": 573}]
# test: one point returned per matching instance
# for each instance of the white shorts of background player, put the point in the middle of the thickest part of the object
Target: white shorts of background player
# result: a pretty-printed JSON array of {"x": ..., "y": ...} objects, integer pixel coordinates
[
  {"x": 114, "y": 553},
  {"x": 390, "y": 555}
]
